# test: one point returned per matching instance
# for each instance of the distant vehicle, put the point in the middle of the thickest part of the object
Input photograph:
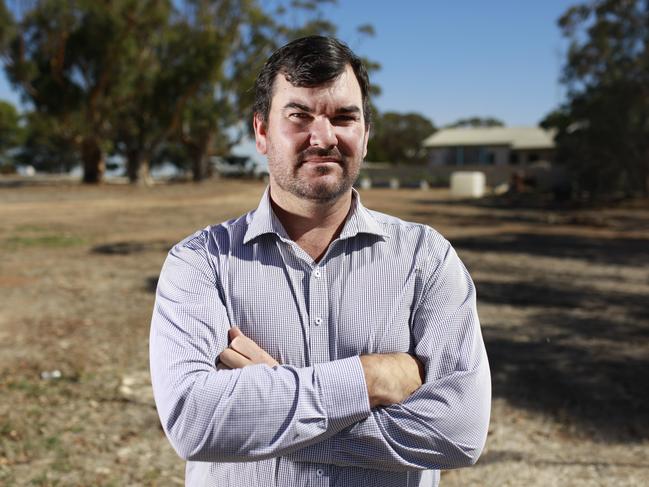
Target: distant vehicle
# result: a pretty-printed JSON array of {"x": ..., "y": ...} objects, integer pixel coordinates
[
  {"x": 26, "y": 170},
  {"x": 238, "y": 167}
]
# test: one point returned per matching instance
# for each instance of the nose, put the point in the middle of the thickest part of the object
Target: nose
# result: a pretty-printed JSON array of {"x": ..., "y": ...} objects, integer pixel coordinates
[{"x": 323, "y": 134}]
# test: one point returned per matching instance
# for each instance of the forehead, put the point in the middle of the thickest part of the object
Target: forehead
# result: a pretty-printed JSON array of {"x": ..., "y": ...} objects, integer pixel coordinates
[{"x": 341, "y": 91}]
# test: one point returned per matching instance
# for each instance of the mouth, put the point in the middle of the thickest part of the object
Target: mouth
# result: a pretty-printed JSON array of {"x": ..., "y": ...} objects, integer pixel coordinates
[
  {"x": 322, "y": 160},
  {"x": 321, "y": 157}
]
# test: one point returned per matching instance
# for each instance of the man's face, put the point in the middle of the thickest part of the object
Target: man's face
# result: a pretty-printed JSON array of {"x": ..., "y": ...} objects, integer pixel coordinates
[{"x": 315, "y": 138}]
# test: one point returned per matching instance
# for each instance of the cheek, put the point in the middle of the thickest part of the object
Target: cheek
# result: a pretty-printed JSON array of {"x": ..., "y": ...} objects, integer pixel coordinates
[
  {"x": 290, "y": 138},
  {"x": 352, "y": 141}
]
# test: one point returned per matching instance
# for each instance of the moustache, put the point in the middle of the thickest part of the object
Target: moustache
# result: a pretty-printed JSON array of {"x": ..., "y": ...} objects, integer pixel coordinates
[{"x": 320, "y": 152}]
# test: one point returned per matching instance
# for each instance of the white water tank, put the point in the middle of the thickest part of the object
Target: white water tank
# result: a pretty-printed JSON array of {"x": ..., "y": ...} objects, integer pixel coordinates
[{"x": 468, "y": 184}]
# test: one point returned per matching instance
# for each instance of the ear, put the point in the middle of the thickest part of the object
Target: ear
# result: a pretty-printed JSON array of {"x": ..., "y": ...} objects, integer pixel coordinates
[
  {"x": 261, "y": 140},
  {"x": 367, "y": 138}
]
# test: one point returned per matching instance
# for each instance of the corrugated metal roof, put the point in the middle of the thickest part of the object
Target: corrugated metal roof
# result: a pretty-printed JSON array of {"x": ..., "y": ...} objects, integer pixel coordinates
[{"x": 515, "y": 137}]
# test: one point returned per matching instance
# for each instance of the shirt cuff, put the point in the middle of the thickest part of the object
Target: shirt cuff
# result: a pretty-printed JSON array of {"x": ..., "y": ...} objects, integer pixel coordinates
[{"x": 344, "y": 391}]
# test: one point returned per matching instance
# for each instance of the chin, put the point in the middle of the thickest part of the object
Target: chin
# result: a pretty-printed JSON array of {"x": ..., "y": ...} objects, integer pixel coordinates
[{"x": 321, "y": 191}]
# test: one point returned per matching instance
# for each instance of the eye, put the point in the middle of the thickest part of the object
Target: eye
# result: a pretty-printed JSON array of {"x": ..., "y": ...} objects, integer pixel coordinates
[
  {"x": 344, "y": 119},
  {"x": 299, "y": 116}
]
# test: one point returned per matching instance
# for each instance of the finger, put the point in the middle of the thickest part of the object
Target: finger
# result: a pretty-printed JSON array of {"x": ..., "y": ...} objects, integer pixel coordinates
[
  {"x": 233, "y": 359},
  {"x": 234, "y": 332},
  {"x": 248, "y": 348},
  {"x": 222, "y": 366}
]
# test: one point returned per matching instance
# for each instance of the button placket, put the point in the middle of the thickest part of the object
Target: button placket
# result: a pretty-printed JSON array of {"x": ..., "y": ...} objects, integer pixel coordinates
[{"x": 318, "y": 313}]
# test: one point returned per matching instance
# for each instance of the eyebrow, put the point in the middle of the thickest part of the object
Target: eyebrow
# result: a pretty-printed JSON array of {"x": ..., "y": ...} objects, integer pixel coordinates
[
  {"x": 299, "y": 106},
  {"x": 349, "y": 109},
  {"x": 304, "y": 108}
]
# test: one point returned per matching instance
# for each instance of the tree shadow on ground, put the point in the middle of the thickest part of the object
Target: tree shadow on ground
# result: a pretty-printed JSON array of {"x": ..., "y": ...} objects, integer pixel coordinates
[
  {"x": 581, "y": 354},
  {"x": 605, "y": 396},
  {"x": 474, "y": 220},
  {"x": 560, "y": 295},
  {"x": 540, "y": 218},
  {"x": 131, "y": 247},
  {"x": 632, "y": 217},
  {"x": 530, "y": 201},
  {"x": 619, "y": 251}
]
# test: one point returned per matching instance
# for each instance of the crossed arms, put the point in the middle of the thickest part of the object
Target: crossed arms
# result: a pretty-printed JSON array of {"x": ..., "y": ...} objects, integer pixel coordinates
[
  {"x": 374, "y": 411},
  {"x": 390, "y": 377}
]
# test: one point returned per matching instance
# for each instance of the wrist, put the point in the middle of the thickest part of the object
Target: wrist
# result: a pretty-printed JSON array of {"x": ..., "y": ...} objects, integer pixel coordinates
[
  {"x": 391, "y": 378},
  {"x": 369, "y": 364}
]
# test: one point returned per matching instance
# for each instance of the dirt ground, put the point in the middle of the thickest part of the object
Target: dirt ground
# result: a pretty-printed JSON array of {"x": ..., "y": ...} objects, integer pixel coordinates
[{"x": 563, "y": 299}]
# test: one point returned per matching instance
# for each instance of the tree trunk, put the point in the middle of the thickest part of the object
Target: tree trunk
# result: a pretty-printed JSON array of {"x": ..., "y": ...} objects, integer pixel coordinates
[
  {"x": 646, "y": 168},
  {"x": 138, "y": 169},
  {"x": 93, "y": 160},
  {"x": 201, "y": 167}
]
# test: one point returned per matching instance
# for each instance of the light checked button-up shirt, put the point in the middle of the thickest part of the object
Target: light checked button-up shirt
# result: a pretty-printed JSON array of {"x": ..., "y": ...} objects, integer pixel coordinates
[{"x": 384, "y": 285}]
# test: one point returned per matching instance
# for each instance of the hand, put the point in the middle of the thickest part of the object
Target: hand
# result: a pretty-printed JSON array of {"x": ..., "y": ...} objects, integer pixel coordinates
[
  {"x": 391, "y": 377},
  {"x": 243, "y": 351}
]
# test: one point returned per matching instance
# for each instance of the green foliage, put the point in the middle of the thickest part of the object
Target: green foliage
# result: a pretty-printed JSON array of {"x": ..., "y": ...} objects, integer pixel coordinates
[
  {"x": 227, "y": 32},
  {"x": 476, "y": 122},
  {"x": 72, "y": 60},
  {"x": 396, "y": 138},
  {"x": 6, "y": 26},
  {"x": 603, "y": 128},
  {"x": 48, "y": 144},
  {"x": 11, "y": 133}
]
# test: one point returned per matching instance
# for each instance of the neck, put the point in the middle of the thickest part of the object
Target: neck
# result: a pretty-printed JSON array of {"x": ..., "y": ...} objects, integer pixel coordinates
[{"x": 312, "y": 225}]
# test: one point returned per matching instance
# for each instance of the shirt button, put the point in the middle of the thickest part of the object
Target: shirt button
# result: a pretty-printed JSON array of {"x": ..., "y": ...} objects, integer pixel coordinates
[
  {"x": 318, "y": 321},
  {"x": 319, "y": 472},
  {"x": 317, "y": 273}
]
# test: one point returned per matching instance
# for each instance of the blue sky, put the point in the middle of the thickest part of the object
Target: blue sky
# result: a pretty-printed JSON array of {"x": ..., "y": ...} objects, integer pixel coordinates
[{"x": 455, "y": 59}]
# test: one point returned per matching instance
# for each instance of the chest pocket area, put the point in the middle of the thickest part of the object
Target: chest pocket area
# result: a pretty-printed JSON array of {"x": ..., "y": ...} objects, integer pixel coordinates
[
  {"x": 375, "y": 317},
  {"x": 266, "y": 312}
]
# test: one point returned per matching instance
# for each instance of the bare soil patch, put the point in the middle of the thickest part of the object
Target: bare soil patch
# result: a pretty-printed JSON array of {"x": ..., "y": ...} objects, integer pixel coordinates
[{"x": 563, "y": 298}]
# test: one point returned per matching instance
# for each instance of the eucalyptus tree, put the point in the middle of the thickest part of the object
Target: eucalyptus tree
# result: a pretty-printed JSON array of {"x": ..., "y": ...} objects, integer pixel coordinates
[
  {"x": 183, "y": 60},
  {"x": 10, "y": 130},
  {"x": 476, "y": 122},
  {"x": 397, "y": 138},
  {"x": 603, "y": 128},
  {"x": 73, "y": 60}
]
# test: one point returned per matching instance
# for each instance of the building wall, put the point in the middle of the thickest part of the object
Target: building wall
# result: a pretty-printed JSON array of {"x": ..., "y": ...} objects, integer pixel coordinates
[
  {"x": 545, "y": 177},
  {"x": 530, "y": 156},
  {"x": 501, "y": 155},
  {"x": 488, "y": 156},
  {"x": 469, "y": 155},
  {"x": 411, "y": 175}
]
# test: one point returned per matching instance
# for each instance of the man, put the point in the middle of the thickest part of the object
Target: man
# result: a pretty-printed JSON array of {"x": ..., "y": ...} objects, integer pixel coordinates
[{"x": 313, "y": 341}]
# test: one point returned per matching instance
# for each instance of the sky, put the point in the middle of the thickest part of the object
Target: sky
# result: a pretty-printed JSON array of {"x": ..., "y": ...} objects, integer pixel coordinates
[{"x": 455, "y": 59}]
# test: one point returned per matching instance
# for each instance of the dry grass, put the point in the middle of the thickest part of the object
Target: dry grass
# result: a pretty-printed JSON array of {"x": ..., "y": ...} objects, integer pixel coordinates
[{"x": 562, "y": 296}]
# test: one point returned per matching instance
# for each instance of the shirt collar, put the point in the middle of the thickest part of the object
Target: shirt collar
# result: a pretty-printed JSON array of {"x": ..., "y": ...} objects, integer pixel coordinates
[{"x": 359, "y": 220}]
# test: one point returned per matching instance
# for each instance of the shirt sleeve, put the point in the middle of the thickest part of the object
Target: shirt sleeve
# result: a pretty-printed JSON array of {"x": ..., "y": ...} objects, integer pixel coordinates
[
  {"x": 444, "y": 423},
  {"x": 245, "y": 414}
]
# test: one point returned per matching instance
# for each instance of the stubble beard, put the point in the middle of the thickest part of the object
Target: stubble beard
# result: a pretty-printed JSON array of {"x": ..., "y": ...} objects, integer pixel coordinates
[{"x": 293, "y": 179}]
